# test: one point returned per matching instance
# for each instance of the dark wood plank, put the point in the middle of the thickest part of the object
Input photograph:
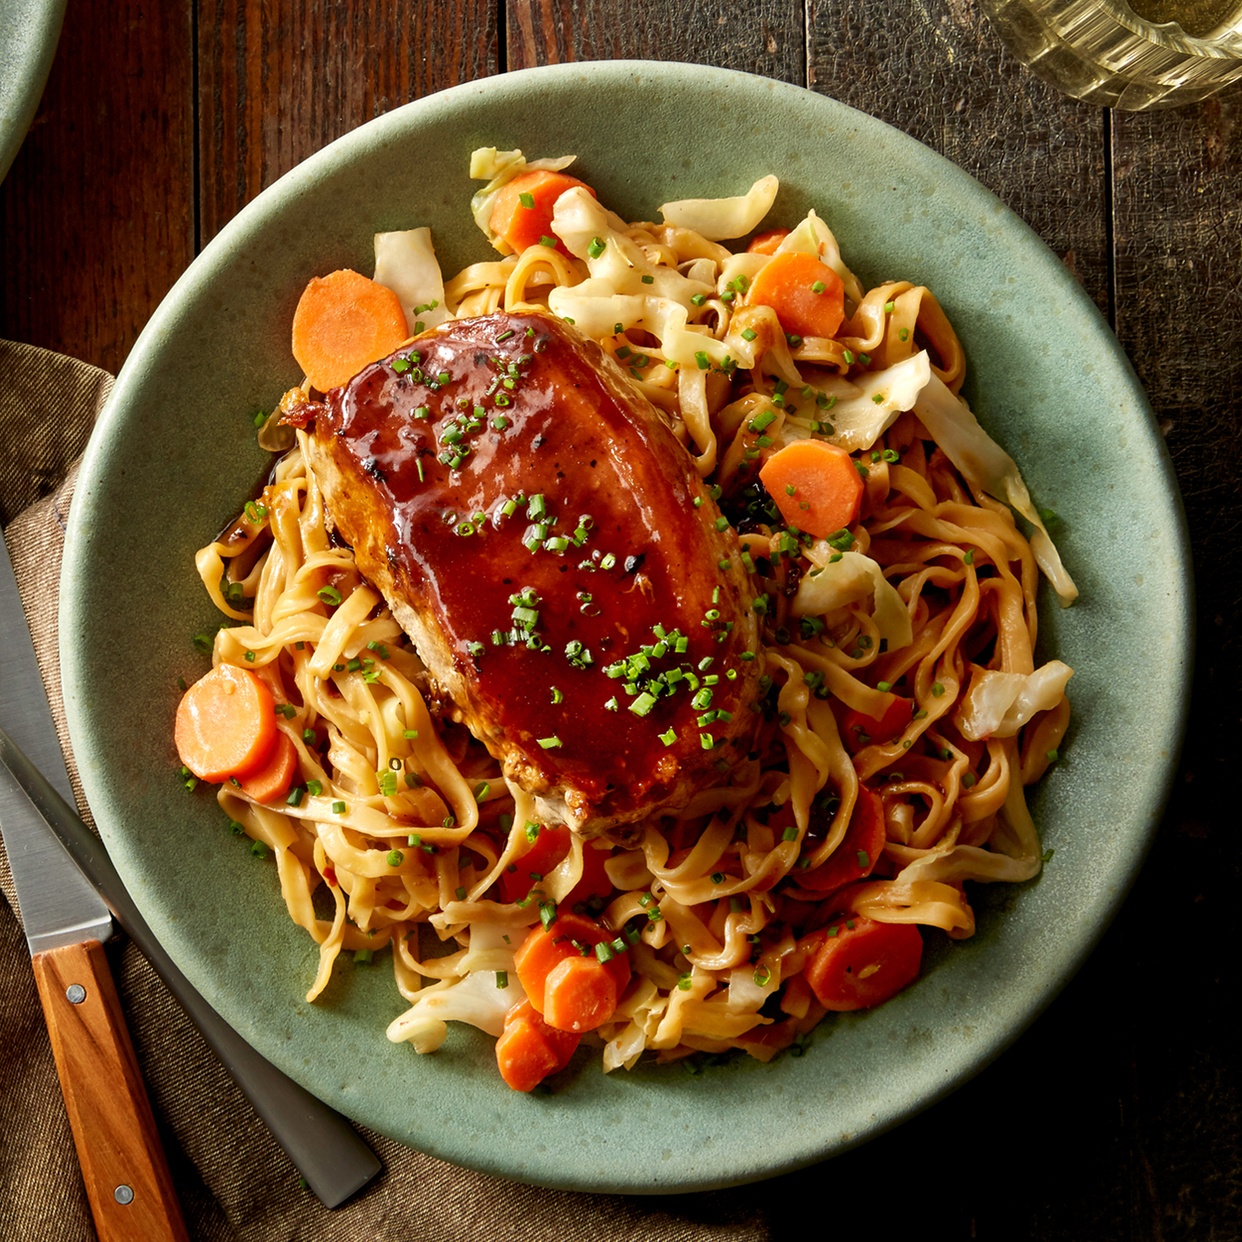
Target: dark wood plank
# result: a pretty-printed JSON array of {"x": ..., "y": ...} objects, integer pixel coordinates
[
  {"x": 1178, "y": 202},
  {"x": 279, "y": 81},
  {"x": 765, "y": 37},
  {"x": 938, "y": 72},
  {"x": 96, "y": 214}
]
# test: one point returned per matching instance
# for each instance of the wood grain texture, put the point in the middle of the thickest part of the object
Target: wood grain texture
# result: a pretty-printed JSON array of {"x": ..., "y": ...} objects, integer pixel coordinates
[
  {"x": 279, "y": 81},
  {"x": 938, "y": 72},
  {"x": 1177, "y": 207},
  {"x": 96, "y": 214},
  {"x": 119, "y": 1149},
  {"x": 767, "y": 37}
]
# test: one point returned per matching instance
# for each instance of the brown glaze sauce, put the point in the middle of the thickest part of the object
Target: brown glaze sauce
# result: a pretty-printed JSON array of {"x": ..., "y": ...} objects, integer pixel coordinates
[{"x": 494, "y": 435}]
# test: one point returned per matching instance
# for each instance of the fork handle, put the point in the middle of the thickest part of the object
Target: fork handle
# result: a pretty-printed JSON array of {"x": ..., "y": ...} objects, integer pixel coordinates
[{"x": 122, "y": 1159}]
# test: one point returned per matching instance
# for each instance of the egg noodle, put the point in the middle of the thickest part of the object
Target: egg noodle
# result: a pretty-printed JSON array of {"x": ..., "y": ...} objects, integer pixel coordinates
[{"x": 400, "y": 829}]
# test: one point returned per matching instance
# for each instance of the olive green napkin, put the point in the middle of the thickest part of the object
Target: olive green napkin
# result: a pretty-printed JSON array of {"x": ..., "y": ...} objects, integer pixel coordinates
[{"x": 233, "y": 1180}]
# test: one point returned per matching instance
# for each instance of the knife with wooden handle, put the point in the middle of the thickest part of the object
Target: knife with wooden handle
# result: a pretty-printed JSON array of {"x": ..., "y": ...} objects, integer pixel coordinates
[
  {"x": 119, "y": 1150},
  {"x": 66, "y": 923}
]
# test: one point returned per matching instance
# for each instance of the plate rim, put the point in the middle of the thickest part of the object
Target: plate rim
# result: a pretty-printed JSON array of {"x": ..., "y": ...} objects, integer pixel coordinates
[{"x": 32, "y": 58}]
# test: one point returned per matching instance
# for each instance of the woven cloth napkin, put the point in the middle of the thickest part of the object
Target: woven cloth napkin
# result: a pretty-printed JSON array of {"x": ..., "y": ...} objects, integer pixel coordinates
[{"x": 234, "y": 1182}]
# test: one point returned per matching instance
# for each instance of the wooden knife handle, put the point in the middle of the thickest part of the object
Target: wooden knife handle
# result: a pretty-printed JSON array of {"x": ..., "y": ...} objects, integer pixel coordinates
[{"x": 123, "y": 1165}]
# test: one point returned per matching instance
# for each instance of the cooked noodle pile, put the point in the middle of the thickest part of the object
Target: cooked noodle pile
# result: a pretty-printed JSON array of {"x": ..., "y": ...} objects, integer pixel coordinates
[{"x": 401, "y": 830}]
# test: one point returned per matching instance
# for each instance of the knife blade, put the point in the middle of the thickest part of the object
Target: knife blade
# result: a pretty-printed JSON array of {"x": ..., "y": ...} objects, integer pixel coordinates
[
  {"x": 327, "y": 1151},
  {"x": 66, "y": 922}
]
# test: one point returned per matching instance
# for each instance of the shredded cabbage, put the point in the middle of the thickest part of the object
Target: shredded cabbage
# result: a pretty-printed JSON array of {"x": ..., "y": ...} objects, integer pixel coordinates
[
  {"x": 718, "y": 219},
  {"x": 998, "y": 704},
  {"x": 474, "y": 999},
  {"x": 866, "y": 407},
  {"x": 834, "y": 583},
  {"x": 984, "y": 464},
  {"x": 406, "y": 263},
  {"x": 616, "y": 291}
]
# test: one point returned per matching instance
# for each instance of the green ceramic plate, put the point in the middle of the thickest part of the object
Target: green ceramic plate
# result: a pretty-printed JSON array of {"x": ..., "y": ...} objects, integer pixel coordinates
[
  {"x": 29, "y": 32},
  {"x": 174, "y": 455}
]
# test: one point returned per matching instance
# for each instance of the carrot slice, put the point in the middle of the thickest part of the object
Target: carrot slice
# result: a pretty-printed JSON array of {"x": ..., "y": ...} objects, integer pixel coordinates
[
  {"x": 226, "y": 724},
  {"x": 344, "y": 321},
  {"x": 807, "y": 295},
  {"x": 766, "y": 243},
  {"x": 522, "y": 209},
  {"x": 568, "y": 936},
  {"x": 861, "y": 963},
  {"x": 528, "y": 1049},
  {"x": 272, "y": 781},
  {"x": 815, "y": 485},
  {"x": 859, "y": 851},
  {"x": 579, "y": 994},
  {"x": 860, "y": 730}
]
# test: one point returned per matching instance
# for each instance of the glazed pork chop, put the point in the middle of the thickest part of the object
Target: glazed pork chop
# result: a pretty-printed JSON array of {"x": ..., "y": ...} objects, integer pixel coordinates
[{"x": 563, "y": 572}]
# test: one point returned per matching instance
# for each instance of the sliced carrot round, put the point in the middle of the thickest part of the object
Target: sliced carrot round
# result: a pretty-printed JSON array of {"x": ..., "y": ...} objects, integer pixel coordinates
[
  {"x": 548, "y": 848},
  {"x": 815, "y": 485},
  {"x": 859, "y": 851},
  {"x": 807, "y": 295},
  {"x": 544, "y": 850},
  {"x": 766, "y": 243},
  {"x": 523, "y": 207},
  {"x": 861, "y": 963},
  {"x": 859, "y": 730},
  {"x": 343, "y": 322},
  {"x": 226, "y": 724},
  {"x": 580, "y": 994},
  {"x": 545, "y": 948},
  {"x": 528, "y": 1049},
  {"x": 272, "y": 781}
]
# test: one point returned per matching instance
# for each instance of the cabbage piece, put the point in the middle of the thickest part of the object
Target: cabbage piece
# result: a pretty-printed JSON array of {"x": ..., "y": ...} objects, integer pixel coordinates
[
  {"x": 406, "y": 263},
  {"x": 998, "y": 704},
  {"x": 813, "y": 236},
  {"x": 834, "y": 583},
  {"x": 719, "y": 219},
  {"x": 984, "y": 464},
  {"x": 744, "y": 264},
  {"x": 624, "y": 287},
  {"x": 585, "y": 225},
  {"x": 497, "y": 168},
  {"x": 474, "y": 999},
  {"x": 865, "y": 407}
]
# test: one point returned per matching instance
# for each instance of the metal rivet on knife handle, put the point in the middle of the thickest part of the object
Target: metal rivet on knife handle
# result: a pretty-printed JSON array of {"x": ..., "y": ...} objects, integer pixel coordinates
[{"x": 75, "y": 994}]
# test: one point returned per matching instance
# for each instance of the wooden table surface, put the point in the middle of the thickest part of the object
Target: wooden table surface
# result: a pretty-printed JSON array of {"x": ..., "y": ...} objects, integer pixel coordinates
[{"x": 1116, "y": 1115}]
